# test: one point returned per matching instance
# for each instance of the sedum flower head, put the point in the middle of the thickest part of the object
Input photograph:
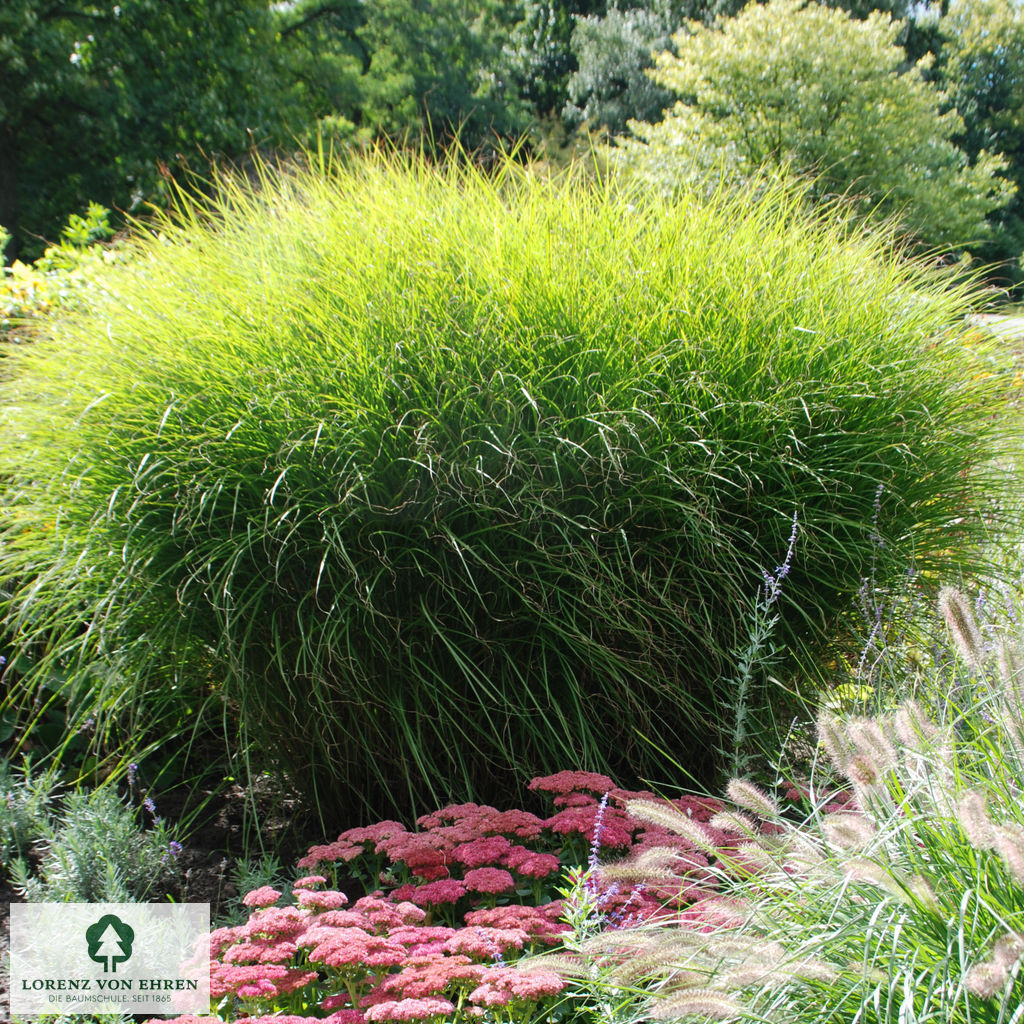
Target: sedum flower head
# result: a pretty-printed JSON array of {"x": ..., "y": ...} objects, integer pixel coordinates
[
  {"x": 410, "y": 1009},
  {"x": 264, "y": 896}
]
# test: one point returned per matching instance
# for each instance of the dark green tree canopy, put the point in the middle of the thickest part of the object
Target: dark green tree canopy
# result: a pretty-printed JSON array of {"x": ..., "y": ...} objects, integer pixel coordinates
[{"x": 99, "y": 97}]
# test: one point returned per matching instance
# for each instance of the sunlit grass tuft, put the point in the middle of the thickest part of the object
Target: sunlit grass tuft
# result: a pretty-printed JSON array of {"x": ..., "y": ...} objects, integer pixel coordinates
[{"x": 426, "y": 477}]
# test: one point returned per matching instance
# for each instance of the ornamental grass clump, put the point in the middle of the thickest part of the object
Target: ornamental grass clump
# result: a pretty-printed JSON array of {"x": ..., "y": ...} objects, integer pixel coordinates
[
  {"x": 423, "y": 476},
  {"x": 900, "y": 899}
]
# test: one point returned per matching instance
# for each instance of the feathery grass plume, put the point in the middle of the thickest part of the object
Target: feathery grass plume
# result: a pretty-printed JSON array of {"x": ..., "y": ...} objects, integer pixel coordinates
[
  {"x": 834, "y": 739},
  {"x": 986, "y": 980},
  {"x": 762, "y": 975},
  {"x": 744, "y": 948},
  {"x": 848, "y": 830},
  {"x": 660, "y": 857},
  {"x": 1010, "y": 663},
  {"x": 726, "y": 912},
  {"x": 667, "y": 816},
  {"x": 696, "y": 1002},
  {"x": 752, "y": 859},
  {"x": 860, "y": 869},
  {"x": 956, "y": 610},
  {"x": 811, "y": 969},
  {"x": 923, "y": 891},
  {"x": 1009, "y": 844},
  {"x": 628, "y": 871},
  {"x": 868, "y": 735},
  {"x": 638, "y": 941},
  {"x": 567, "y": 965},
  {"x": 752, "y": 798},
  {"x": 642, "y": 968},
  {"x": 972, "y": 813},
  {"x": 734, "y": 821},
  {"x": 868, "y": 785},
  {"x": 803, "y": 854},
  {"x": 914, "y": 729},
  {"x": 1008, "y": 949},
  {"x": 657, "y": 863},
  {"x": 1009, "y": 720}
]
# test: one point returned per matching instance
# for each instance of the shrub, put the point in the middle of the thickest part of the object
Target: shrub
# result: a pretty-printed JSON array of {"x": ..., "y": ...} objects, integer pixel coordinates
[
  {"x": 59, "y": 277},
  {"x": 432, "y": 480},
  {"x": 25, "y": 797},
  {"x": 98, "y": 851}
]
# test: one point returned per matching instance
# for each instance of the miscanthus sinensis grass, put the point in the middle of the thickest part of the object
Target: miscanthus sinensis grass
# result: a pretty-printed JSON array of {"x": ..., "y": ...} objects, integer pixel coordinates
[
  {"x": 423, "y": 476},
  {"x": 899, "y": 898}
]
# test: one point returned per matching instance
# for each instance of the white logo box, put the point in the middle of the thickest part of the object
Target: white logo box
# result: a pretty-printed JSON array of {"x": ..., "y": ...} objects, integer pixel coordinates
[{"x": 82, "y": 958}]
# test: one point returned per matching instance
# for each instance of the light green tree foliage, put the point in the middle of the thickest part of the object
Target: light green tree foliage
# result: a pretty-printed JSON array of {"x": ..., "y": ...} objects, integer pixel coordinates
[
  {"x": 783, "y": 85},
  {"x": 982, "y": 69}
]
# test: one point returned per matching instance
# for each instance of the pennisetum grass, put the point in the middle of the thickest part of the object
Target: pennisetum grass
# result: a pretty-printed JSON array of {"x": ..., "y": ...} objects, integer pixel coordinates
[
  {"x": 421, "y": 476},
  {"x": 905, "y": 903}
]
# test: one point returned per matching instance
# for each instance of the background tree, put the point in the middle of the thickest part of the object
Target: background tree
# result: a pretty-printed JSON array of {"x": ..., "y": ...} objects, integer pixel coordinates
[
  {"x": 835, "y": 102},
  {"x": 611, "y": 85},
  {"x": 100, "y": 98},
  {"x": 611, "y": 52},
  {"x": 539, "y": 51},
  {"x": 403, "y": 68},
  {"x": 981, "y": 66},
  {"x": 565, "y": 52}
]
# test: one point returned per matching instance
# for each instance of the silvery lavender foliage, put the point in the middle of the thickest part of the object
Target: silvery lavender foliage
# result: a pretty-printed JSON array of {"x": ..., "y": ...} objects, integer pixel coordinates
[{"x": 756, "y": 655}]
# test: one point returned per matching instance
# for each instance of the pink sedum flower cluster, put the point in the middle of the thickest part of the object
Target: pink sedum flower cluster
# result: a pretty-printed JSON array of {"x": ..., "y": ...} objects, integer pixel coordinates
[{"x": 453, "y": 905}]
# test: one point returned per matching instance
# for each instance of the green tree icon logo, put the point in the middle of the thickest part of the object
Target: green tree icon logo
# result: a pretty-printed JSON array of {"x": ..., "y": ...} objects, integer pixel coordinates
[{"x": 110, "y": 942}]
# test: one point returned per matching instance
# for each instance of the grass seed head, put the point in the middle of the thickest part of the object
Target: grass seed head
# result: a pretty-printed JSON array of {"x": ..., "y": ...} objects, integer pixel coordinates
[
  {"x": 667, "y": 816},
  {"x": 848, "y": 831},
  {"x": 696, "y": 1002},
  {"x": 972, "y": 813},
  {"x": 751, "y": 798},
  {"x": 956, "y": 610},
  {"x": 734, "y": 821},
  {"x": 913, "y": 727},
  {"x": 1009, "y": 843}
]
